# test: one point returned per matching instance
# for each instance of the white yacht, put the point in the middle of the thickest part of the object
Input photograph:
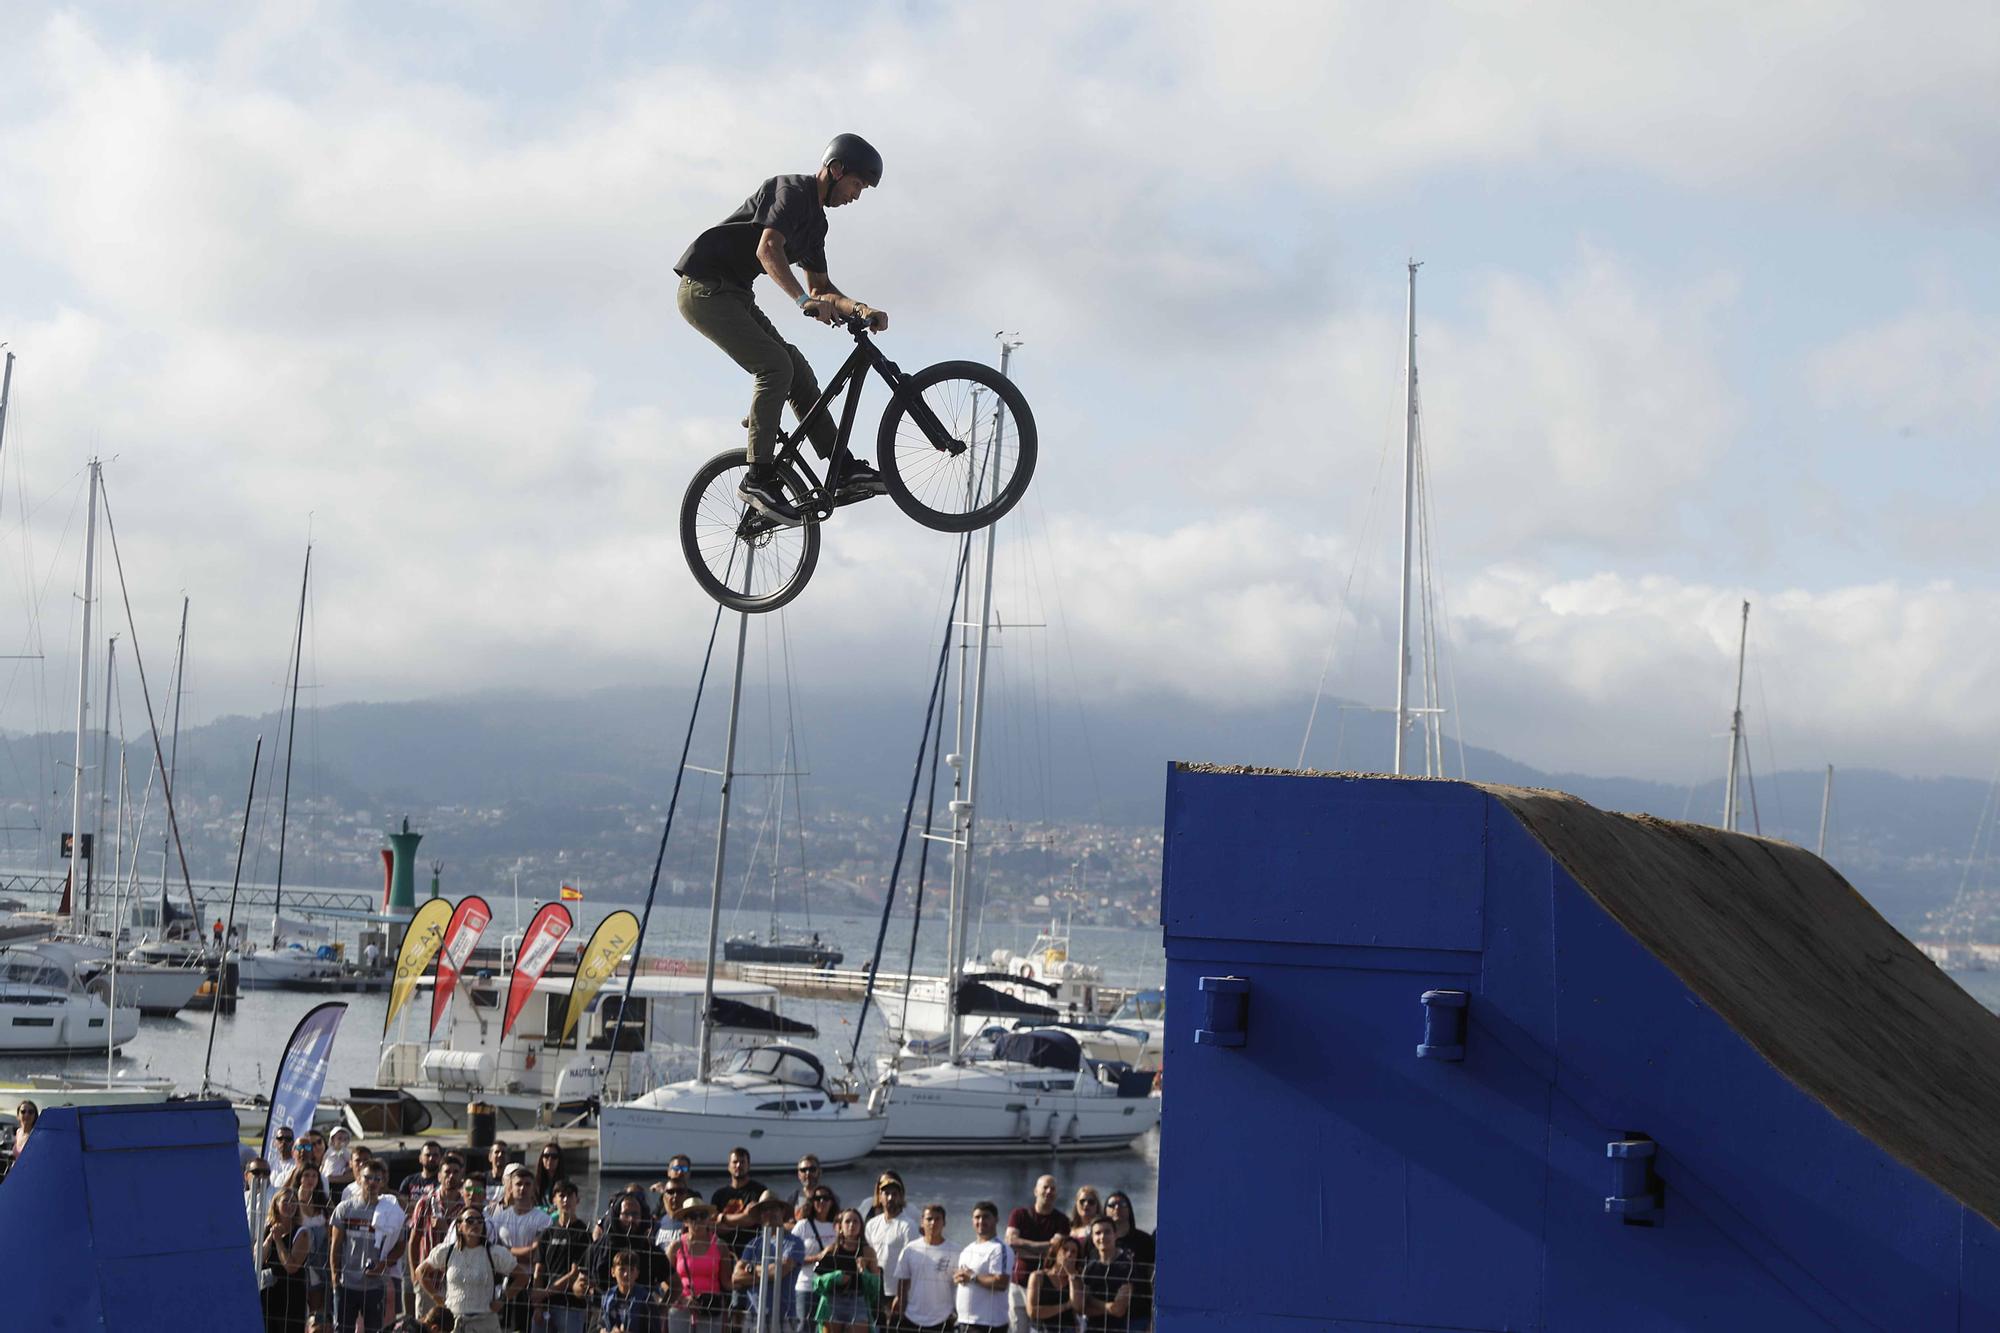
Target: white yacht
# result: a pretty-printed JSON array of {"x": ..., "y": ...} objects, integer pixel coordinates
[
  {"x": 530, "y": 1080},
  {"x": 287, "y": 966},
  {"x": 1136, "y": 1034},
  {"x": 1033, "y": 1092},
  {"x": 156, "y": 990},
  {"x": 46, "y": 1007},
  {"x": 773, "y": 1099}
]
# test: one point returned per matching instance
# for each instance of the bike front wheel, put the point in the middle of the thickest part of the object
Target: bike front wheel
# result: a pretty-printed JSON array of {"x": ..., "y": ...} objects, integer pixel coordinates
[
  {"x": 739, "y": 556},
  {"x": 957, "y": 446}
]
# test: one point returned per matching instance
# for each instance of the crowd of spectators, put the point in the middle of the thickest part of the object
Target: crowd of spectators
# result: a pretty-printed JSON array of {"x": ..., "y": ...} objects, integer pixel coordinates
[{"x": 485, "y": 1245}]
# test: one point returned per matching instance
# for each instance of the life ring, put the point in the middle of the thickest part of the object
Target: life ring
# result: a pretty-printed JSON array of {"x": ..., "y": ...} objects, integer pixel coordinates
[{"x": 1026, "y": 971}]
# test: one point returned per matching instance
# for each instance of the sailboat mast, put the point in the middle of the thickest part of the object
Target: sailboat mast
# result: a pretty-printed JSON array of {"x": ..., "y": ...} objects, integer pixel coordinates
[
  {"x": 1409, "y": 518},
  {"x": 1735, "y": 727},
  {"x": 963, "y": 811},
  {"x": 1825, "y": 807},
  {"x": 291, "y": 735},
  {"x": 103, "y": 776},
  {"x": 76, "y": 853},
  {"x": 173, "y": 760},
  {"x": 721, "y": 841}
]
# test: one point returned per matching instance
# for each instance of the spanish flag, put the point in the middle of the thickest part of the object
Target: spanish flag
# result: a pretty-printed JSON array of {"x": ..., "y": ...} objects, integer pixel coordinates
[{"x": 570, "y": 895}]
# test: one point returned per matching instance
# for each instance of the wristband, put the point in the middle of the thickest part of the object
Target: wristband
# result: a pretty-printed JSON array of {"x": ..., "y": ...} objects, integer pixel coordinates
[{"x": 802, "y": 299}]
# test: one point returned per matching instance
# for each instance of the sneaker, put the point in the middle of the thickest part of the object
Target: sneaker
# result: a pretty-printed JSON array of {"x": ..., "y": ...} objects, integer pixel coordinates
[
  {"x": 859, "y": 480},
  {"x": 766, "y": 494}
]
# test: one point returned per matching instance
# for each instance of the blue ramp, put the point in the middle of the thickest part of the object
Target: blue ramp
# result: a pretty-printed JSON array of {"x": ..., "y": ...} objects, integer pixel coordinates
[
  {"x": 129, "y": 1219},
  {"x": 1446, "y": 1056}
]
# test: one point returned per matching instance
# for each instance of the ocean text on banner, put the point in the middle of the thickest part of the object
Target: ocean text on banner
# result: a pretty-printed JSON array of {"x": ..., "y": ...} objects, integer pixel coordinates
[
  {"x": 608, "y": 943},
  {"x": 420, "y": 943}
]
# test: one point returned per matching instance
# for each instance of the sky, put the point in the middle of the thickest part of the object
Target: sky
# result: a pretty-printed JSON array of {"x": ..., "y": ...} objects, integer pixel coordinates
[{"x": 1708, "y": 312}]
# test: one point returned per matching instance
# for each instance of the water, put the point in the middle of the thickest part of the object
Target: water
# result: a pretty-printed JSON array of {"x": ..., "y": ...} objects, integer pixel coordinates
[{"x": 249, "y": 1043}]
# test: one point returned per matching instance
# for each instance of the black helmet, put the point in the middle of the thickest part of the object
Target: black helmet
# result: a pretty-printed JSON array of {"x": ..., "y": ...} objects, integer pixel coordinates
[{"x": 855, "y": 154}]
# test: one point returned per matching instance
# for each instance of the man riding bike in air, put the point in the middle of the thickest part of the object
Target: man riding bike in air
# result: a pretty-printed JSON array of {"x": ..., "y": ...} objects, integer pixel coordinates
[{"x": 782, "y": 224}]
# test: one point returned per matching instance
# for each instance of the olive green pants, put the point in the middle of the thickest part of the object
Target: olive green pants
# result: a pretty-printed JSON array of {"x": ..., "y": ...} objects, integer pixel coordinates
[{"x": 727, "y": 315}]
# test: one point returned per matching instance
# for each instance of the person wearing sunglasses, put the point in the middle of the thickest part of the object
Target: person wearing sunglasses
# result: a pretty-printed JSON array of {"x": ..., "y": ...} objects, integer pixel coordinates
[
  {"x": 471, "y": 1276},
  {"x": 808, "y": 1172},
  {"x": 548, "y": 1170},
  {"x": 815, "y": 1231},
  {"x": 1138, "y": 1244}
]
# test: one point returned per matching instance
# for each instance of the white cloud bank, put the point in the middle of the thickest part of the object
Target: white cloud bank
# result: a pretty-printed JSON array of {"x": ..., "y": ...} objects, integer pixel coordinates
[{"x": 325, "y": 278}]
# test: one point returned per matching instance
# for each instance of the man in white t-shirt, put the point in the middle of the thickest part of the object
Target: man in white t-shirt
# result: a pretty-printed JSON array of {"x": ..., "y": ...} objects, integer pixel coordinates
[
  {"x": 889, "y": 1230},
  {"x": 921, "y": 1280},
  {"x": 985, "y": 1269},
  {"x": 517, "y": 1223}
]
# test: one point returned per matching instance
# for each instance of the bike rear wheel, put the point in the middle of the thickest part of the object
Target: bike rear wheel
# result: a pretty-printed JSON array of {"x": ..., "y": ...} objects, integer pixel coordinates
[
  {"x": 740, "y": 557},
  {"x": 957, "y": 446}
]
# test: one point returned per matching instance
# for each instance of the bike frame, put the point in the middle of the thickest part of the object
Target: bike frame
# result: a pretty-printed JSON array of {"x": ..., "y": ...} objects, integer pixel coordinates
[{"x": 818, "y": 501}]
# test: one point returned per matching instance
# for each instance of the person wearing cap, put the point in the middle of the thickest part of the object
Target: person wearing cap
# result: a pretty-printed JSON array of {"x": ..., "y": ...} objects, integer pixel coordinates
[
  {"x": 889, "y": 1228},
  {"x": 517, "y": 1223},
  {"x": 340, "y": 1166},
  {"x": 771, "y": 1261},
  {"x": 781, "y": 225}
]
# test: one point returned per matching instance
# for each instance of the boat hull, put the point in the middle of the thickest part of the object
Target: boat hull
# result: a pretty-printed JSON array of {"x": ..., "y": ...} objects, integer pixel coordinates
[
  {"x": 933, "y": 1116},
  {"x": 636, "y": 1138}
]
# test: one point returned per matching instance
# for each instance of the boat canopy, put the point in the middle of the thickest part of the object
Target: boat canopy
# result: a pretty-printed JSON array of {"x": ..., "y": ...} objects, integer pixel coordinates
[
  {"x": 740, "y": 1017},
  {"x": 784, "y": 1064},
  {"x": 1013, "y": 979},
  {"x": 976, "y": 997},
  {"x": 1044, "y": 1048}
]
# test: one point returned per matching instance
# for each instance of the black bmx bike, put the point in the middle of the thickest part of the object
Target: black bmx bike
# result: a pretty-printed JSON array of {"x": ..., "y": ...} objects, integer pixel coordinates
[{"x": 956, "y": 450}]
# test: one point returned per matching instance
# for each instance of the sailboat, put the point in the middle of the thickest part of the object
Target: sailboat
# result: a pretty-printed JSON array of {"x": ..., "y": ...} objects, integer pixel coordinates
[
  {"x": 775, "y": 1095},
  {"x": 775, "y": 947},
  {"x": 288, "y": 962},
  {"x": 1025, "y": 1091}
]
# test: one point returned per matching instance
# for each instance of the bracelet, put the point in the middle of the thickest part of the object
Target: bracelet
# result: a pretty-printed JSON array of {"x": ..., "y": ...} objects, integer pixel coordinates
[{"x": 801, "y": 300}]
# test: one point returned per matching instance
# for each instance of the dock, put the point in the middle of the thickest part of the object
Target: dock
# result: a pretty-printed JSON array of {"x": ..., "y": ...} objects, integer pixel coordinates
[{"x": 834, "y": 983}]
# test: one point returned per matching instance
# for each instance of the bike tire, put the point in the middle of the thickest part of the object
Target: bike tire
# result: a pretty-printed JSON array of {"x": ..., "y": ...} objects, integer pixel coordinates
[
  {"x": 723, "y": 538},
  {"x": 935, "y": 486}
]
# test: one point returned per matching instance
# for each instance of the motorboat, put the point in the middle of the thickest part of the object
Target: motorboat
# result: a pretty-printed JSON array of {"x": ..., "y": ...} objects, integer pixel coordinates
[
  {"x": 532, "y": 1077},
  {"x": 290, "y": 965},
  {"x": 47, "y": 1007},
  {"x": 156, "y": 990},
  {"x": 798, "y": 951},
  {"x": 1136, "y": 1034},
  {"x": 1034, "y": 1091},
  {"x": 774, "y": 1098}
]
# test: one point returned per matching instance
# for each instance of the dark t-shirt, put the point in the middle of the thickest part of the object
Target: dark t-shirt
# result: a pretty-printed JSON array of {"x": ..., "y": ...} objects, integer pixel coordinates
[
  {"x": 728, "y": 251},
  {"x": 1102, "y": 1281},
  {"x": 561, "y": 1248},
  {"x": 736, "y": 1236},
  {"x": 1031, "y": 1225}
]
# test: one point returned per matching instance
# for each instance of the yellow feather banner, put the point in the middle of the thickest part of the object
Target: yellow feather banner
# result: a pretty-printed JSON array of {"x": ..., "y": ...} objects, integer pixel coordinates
[
  {"x": 609, "y": 943},
  {"x": 420, "y": 944}
]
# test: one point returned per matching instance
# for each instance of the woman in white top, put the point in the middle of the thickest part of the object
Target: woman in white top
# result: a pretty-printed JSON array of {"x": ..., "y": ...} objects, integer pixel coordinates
[
  {"x": 469, "y": 1277},
  {"x": 815, "y": 1231}
]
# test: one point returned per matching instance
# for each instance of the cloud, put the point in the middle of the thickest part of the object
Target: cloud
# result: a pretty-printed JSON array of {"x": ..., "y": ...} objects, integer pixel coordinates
[
  {"x": 1927, "y": 373},
  {"x": 408, "y": 288}
]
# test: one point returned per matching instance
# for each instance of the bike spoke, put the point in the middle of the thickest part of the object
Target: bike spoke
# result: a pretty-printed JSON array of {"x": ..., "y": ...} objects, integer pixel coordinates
[
  {"x": 958, "y": 481},
  {"x": 727, "y": 530}
]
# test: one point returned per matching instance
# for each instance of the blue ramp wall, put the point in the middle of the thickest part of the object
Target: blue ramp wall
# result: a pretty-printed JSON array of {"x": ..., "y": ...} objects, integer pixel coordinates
[
  {"x": 1322, "y": 1175},
  {"x": 128, "y": 1219}
]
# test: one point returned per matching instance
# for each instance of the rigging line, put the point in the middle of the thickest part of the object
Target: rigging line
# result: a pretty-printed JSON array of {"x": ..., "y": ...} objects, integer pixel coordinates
[
  {"x": 1770, "y": 750},
  {"x": 1750, "y": 777},
  {"x": 923, "y": 864},
  {"x": 1069, "y": 655},
  {"x": 145, "y": 692},
  {"x": 236, "y": 882},
  {"x": 1364, "y": 543},
  {"x": 909, "y": 809},
  {"x": 798, "y": 765},
  {"x": 680, "y": 774},
  {"x": 1978, "y": 831},
  {"x": 291, "y": 735}
]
